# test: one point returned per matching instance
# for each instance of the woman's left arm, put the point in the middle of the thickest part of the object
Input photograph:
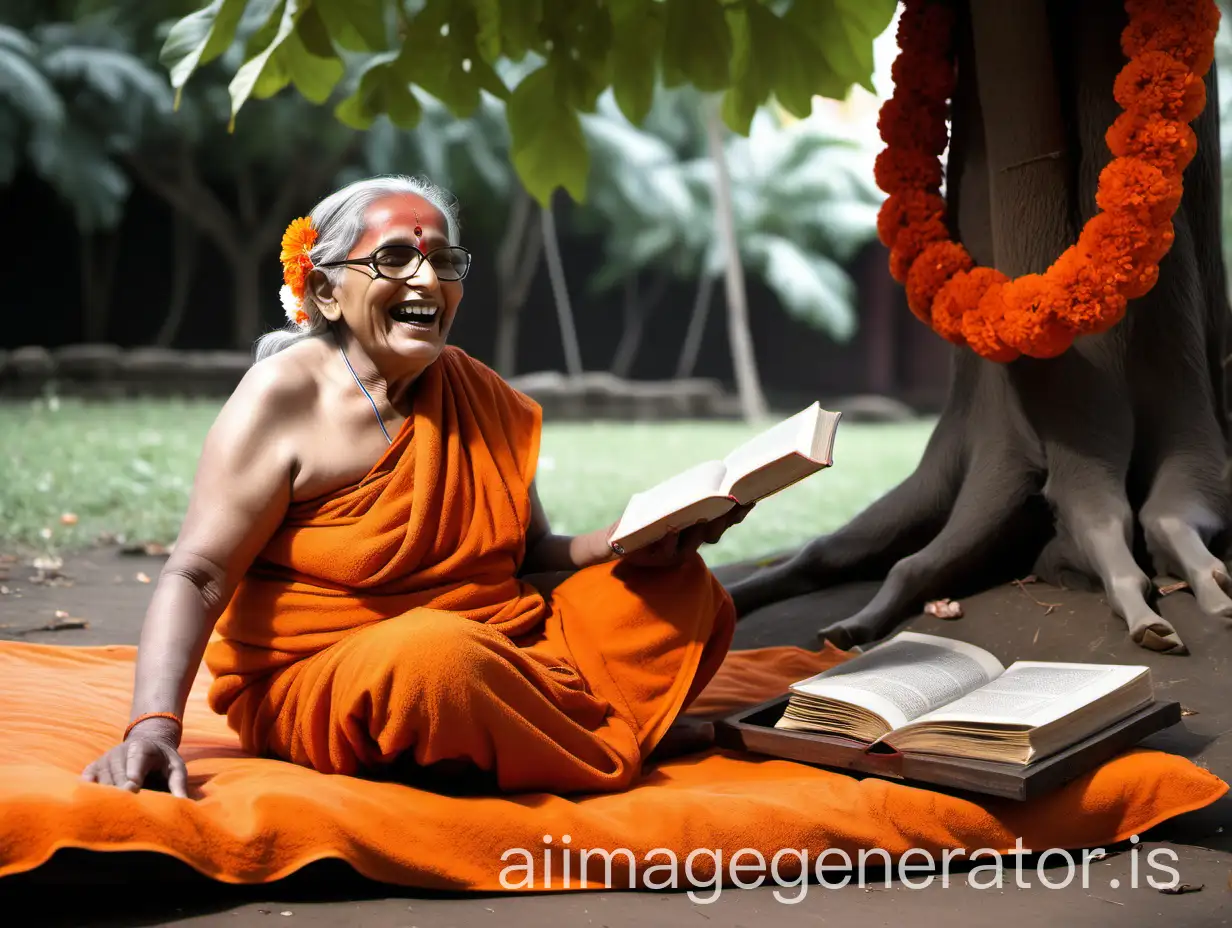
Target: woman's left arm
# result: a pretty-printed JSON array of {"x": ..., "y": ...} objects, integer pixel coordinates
[{"x": 547, "y": 552}]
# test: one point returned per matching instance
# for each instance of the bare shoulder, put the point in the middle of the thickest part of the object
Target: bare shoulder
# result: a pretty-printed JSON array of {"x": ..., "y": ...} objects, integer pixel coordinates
[{"x": 277, "y": 392}]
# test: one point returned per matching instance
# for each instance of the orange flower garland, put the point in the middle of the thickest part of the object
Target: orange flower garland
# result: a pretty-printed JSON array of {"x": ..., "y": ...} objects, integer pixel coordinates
[
  {"x": 297, "y": 242},
  {"x": 1170, "y": 46}
]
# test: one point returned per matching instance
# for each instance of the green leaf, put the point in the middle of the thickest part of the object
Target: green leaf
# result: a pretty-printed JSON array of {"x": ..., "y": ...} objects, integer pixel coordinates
[
  {"x": 519, "y": 25},
  {"x": 312, "y": 32},
  {"x": 367, "y": 101},
  {"x": 872, "y": 16},
  {"x": 250, "y": 72},
  {"x": 400, "y": 104},
  {"x": 273, "y": 78},
  {"x": 441, "y": 55},
  {"x": 581, "y": 35},
  {"x": 488, "y": 36},
  {"x": 697, "y": 45},
  {"x": 315, "y": 77},
  {"x": 751, "y": 67},
  {"x": 637, "y": 42},
  {"x": 842, "y": 29},
  {"x": 199, "y": 38},
  {"x": 547, "y": 146},
  {"x": 356, "y": 25}
]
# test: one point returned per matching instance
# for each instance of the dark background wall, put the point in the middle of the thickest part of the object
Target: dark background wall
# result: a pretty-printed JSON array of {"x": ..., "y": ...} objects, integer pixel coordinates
[{"x": 891, "y": 354}]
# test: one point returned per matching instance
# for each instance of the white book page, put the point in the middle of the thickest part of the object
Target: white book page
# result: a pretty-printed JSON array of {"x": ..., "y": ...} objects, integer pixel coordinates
[
  {"x": 906, "y": 677},
  {"x": 1037, "y": 692},
  {"x": 771, "y": 445},
  {"x": 675, "y": 493}
]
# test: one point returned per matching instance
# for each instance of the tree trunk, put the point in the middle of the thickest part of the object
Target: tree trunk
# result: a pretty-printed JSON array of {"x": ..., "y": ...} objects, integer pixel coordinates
[
  {"x": 184, "y": 251},
  {"x": 1101, "y": 467},
  {"x": 246, "y": 308},
  {"x": 517, "y": 260},
  {"x": 560, "y": 291},
  {"x": 697, "y": 327},
  {"x": 748, "y": 384},
  {"x": 99, "y": 255},
  {"x": 879, "y": 318},
  {"x": 638, "y": 304}
]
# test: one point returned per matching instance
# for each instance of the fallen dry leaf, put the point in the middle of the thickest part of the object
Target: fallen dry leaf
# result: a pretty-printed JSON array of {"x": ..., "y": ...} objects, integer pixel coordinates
[
  {"x": 142, "y": 578},
  {"x": 1182, "y": 888},
  {"x": 944, "y": 609},
  {"x": 62, "y": 626},
  {"x": 68, "y": 518},
  {"x": 1173, "y": 587},
  {"x": 1185, "y": 710},
  {"x": 147, "y": 548}
]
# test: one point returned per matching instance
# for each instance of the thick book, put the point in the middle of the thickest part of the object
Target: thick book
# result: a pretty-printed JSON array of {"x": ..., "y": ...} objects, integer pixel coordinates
[
  {"x": 946, "y": 713},
  {"x": 765, "y": 464}
]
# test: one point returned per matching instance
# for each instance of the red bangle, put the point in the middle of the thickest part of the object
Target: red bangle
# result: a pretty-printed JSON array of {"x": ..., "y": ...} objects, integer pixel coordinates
[{"x": 150, "y": 715}]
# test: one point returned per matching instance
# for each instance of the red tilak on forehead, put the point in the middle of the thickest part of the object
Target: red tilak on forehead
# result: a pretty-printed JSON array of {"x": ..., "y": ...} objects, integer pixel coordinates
[{"x": 418, "y": 227}]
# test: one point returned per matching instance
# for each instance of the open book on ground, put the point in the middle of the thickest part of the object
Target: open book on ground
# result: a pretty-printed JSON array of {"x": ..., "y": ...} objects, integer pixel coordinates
[
  {"x": 925, "y": 695},
  {"x": 765, "y": 464}
]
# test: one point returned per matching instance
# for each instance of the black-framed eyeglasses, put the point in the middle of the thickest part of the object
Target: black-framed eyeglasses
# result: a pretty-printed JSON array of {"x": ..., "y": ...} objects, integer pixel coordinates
[{"x": 400, "y": 262}]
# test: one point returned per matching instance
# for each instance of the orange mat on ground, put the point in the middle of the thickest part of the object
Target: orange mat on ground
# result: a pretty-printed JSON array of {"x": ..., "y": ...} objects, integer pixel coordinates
[{"x": 255, "y": 820}]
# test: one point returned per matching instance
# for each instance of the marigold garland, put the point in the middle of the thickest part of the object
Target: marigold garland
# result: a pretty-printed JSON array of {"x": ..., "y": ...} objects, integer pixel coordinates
[
  {"x": 297, "y": 242},
  {"x": 1170, "y": 46}
]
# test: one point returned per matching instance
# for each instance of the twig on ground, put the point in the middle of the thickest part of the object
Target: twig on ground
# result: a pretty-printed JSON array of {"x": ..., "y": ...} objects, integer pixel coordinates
[{"x": 1022, "y": 585}]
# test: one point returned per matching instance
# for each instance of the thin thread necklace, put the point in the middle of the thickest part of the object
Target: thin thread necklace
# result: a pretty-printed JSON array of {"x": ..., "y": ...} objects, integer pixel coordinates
[{"x": 379, "y": 420}]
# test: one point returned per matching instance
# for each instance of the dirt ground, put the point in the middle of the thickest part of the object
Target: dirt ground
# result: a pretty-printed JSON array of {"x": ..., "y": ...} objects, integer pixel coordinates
[{"x": 107, "y": 592}]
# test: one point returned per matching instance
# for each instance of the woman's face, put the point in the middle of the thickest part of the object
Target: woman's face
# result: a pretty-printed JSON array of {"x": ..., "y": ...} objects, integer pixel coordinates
[{"x": 401, "y": 324}]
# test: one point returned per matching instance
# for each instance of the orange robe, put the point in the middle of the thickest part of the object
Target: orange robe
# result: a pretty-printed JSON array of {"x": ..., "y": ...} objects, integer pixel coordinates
[{"x": 385, "y": 626}]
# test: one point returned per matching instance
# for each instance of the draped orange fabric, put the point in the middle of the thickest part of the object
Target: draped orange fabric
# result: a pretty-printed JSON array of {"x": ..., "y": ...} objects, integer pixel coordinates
[{"x": 386, "y": 621}]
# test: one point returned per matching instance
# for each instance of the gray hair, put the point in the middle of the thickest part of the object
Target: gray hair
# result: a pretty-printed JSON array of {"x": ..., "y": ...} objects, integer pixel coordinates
[{"x": 339, "y": 221}]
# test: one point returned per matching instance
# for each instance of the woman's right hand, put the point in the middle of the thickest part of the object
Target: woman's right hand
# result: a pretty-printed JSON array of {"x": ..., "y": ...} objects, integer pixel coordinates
[{"x": 129, "y": 764}]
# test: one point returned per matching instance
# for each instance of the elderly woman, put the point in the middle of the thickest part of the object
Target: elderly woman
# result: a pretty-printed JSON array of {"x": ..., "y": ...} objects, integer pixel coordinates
[{"x": 355, "y": 563}]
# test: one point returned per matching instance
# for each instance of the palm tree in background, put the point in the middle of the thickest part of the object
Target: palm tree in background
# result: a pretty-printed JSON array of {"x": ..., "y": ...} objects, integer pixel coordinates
[
  {"x": 681, "y": 198},
  {"x": 77, "y": 99}
]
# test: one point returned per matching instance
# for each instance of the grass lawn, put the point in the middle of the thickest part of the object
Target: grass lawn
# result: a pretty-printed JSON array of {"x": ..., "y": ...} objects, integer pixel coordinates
[{"x": 125, "y": 469}]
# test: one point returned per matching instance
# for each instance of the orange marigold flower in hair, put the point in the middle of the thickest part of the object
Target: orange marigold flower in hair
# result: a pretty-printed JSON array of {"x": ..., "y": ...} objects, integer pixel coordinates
[
  {"x": 898, "y": 169},
  {"x": 298, "y": 239},
  {"x": 1165, "y": 143},
  {"x": 930, "y": 272},
  {"x": 1155, "y": 82}
]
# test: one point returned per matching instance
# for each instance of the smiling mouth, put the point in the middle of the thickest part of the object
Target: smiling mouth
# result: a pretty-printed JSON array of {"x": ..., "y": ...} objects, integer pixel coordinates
[{"x": 418, "y": 314}]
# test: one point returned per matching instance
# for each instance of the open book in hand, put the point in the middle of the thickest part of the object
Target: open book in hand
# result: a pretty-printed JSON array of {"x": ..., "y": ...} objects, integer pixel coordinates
[
  {"x": 921, "y": 694},
  {"x": 763, "y": 465}
]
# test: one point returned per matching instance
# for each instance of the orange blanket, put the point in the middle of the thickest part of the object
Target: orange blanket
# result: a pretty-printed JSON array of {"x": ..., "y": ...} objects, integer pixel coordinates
[
  {"x": 254, "y": 820},
  {"x": 384, "y": 625},
  {"x": 386, "y": 621}
]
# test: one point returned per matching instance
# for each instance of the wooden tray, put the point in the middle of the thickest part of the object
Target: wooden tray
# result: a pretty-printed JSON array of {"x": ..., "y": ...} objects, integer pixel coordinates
[{"x": 753, "y": 730}]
